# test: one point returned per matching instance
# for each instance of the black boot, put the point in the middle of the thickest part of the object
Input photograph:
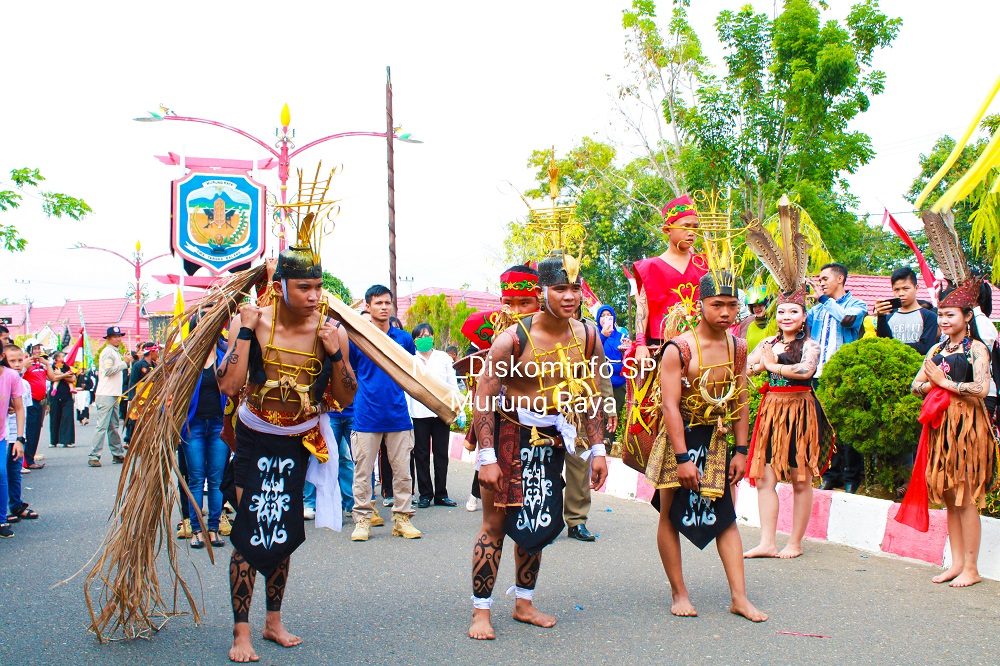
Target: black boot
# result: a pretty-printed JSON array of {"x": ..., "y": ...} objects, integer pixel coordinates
[{"x": 580, "y": 533}]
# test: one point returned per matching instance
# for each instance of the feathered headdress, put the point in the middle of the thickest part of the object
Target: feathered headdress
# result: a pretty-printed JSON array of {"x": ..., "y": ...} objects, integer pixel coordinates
[
  {"x": 787, "y": 264},
  {"x": 941, "y": 236}
]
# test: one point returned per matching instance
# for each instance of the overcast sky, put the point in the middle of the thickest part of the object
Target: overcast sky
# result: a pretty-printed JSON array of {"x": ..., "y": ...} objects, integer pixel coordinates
[{"x": 481, "y": 83}]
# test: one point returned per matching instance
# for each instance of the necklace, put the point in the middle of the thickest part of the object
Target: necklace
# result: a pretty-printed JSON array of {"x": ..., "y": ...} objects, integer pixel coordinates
[{"x": 955, "y": 347}]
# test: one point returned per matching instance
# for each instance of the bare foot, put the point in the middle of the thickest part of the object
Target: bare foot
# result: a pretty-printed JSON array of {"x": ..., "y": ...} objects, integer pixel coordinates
[
  {"x": 682, "y": 607},
  {"x": 242, "y": 650},
  {"x": 525, "y": 611},
  {"x": 761, "y": 551},
  {"x": 789, "y": 552},
  {"x": 949, "y": 574},
  {"x": 966, "y": 579},
  {"x": 482, "y": 626},
  {"x": 275, "y": 631},
  {"x": 748, "y": 610}
]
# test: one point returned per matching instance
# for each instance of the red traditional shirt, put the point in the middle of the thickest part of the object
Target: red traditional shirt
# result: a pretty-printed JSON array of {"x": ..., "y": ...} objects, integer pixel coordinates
[{"x": 666, "y": 286}]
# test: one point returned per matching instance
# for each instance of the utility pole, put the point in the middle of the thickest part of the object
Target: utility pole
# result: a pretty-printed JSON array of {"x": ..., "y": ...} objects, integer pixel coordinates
[
  {"x": 389, "y": 135},
  {"x": 27, "y": 305}
]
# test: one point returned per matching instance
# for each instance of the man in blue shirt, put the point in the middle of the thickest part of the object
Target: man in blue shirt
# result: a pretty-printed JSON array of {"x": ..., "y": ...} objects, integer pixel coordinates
[
  {"x": 380, "y": 410},
  {"x": 836, "y": 321}
]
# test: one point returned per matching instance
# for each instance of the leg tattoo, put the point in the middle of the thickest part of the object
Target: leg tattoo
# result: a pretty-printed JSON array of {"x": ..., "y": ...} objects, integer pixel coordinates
[
  {"x": 485, "y": 562},
  {"x": 527, "y": 568},
  {"x": 276, "y": 586},
  {"x": 241, "y": 580}
]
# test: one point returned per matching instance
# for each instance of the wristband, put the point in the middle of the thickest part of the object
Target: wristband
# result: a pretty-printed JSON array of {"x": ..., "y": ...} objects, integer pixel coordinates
[
  {"x": 22, "y": 440},
  {"x": 245, "y": 333},
  {"x": 487, "y": 456},
  {"x": 339, "y": 356},
  {"x": 741, "y": 450},
  {"x": 683, "y": 457},
  {"x": 599, "y": 450},
  {"x": 640, "y": 340}
]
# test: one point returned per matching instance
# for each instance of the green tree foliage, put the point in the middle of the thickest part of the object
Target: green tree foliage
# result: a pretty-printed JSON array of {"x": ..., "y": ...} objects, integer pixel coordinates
[
  {"x": 444, "y": 319},
  {"x": 335, "y": 285},
  {"x": 777, "y": 121},
  {"x": 54, "y": 204},
  {"x": 977, "y": 222},
  {"x": 865, "y": 391},
  {"x": 616, "y": 211}
]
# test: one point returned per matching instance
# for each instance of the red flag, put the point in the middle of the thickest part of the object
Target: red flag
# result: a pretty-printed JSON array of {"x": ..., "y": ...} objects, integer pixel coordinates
[
  {"x": 633, "y": 291},
  {"x": 925, "y": 270},
  {"x": 71, "y": 356},
  {"x": 590, "y": 299}
]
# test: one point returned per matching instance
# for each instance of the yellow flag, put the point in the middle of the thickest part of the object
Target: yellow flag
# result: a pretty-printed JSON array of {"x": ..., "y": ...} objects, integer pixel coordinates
[{"x": 179, "y": 314}]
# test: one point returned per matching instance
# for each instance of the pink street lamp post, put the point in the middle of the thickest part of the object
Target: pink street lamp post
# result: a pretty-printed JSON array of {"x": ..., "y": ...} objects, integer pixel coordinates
[
  {"x": 284, "y": 151},
  {"x": 137, "y": 262}
]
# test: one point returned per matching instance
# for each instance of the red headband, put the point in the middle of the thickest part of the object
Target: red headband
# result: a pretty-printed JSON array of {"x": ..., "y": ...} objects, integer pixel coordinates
[
  {"x": 678, "y": 208},
  {"x": 518, "y": 283}
]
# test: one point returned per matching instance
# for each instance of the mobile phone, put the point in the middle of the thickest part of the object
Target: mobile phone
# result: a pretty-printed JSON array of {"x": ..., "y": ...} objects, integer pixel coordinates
[{"x": 896, "y": 303}]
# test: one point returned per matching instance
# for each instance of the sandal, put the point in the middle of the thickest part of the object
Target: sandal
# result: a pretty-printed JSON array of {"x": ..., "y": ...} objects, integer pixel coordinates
[
  {"x": 216, "y": 540},
  {"x": 196, "y": 541},
  {"x": 36, "y": 466},
  {"x": 24, "y": 513},
  {"x": 13, "y": 519}
]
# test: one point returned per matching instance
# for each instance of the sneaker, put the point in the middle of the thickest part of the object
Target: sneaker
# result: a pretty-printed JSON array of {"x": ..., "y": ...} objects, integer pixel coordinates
[
  {"x": 403, "y": 527},
  {"x": 5, "y": 531},
  {"x": 362, "y": 530},
  {"x": 51, "y": 446},
  {"x": 388, "y": 501},
  {"x": 309, "y": 513},
  {"x": 225, "y": 527},
  {"x": 377, "y": 520},
  {"x": 67, "y": 446},
  {"x": 94, "y": 462},
  {"x": 25, "y": 470},
  {"x": 117, "y": 460},
  {"x": 472, "y": 504},
  {"x": 184, "y": 529}
]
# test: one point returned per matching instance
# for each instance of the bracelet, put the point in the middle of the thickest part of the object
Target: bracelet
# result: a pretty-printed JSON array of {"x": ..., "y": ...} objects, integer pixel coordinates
[
  {"x": 339, "y": 356},
  {"x": 245, "y": 333},
  {"x": 22, "y": 439},
  {"x": 683, "y": 457},
  {"x": 640, "y": 340},
  {"x": 741, "y": 450},
  {"x": 487, "y": 456}
]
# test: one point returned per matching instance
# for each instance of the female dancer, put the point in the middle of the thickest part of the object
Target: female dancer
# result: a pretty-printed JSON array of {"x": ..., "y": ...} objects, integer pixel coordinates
[
  {"x": 787, "y": 434},
  {"x": 957, "y": 452}
]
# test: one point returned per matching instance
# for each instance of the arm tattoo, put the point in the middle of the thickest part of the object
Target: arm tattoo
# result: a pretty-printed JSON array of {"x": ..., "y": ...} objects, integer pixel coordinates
[
  {"x": 805, "y": 368},
  {"x": 232, "y": 359},
  {"x": 346, "y": 380},
  {"x": 641, "y": 313}
]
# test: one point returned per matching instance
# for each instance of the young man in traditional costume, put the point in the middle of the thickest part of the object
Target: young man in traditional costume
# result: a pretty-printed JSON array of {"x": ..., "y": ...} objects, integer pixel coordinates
[
  {"x": 956, "y": 463},
  {"x": 518, "y": 297},
  {"x": 538, "y": 380},
  {"x": 294, "y": 356},
  {"x": 669, "y": 279},
  {"x": 792, "y": 440},
  {"x": 704, "y": 398}
]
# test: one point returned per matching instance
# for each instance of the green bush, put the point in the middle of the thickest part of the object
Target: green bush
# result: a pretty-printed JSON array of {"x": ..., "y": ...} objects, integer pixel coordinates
[{"x": 865, "y": 391}]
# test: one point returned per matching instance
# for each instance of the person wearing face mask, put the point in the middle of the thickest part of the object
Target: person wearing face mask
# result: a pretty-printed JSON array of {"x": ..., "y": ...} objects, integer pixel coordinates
[{"x": 430, "y": 433}]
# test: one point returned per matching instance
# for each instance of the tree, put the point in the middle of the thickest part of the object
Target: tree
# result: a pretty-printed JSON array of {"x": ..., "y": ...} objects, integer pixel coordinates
[
  {"x": 54, "y": 204},
  {"x": 977, "y": 217},
  {"x": 865, "y": 391},
  {"x": 335, "y": 285},
  {"x": 777, "y": 121},
  {"x": 617, "y": 219},
  {"x": 444, "y": 319}
]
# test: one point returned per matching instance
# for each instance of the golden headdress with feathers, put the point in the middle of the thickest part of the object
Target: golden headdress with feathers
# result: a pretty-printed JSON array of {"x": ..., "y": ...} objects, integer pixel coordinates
[
  {"x": 717, "y": 234},
  {"x": 788, "y": 263},
  {"x": 311, "y": 215},
  {"x": 943, "y": 240}
]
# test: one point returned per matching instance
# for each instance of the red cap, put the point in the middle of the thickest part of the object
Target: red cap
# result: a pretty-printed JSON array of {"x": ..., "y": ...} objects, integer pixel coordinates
[{"x": 678, "y": 208}]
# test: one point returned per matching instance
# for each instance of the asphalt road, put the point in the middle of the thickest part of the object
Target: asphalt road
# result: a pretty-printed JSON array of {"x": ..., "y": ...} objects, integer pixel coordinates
[{"x": 392, "y": 601}]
